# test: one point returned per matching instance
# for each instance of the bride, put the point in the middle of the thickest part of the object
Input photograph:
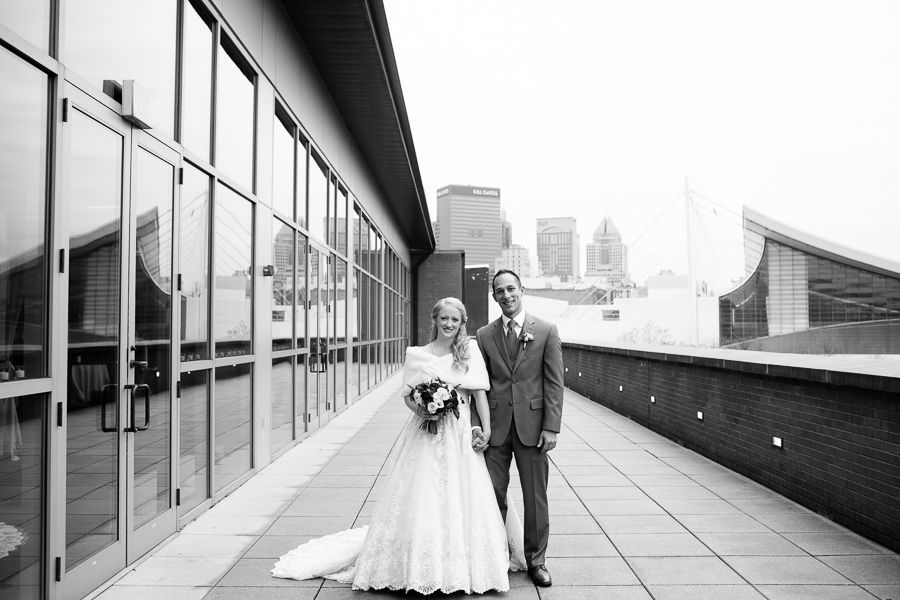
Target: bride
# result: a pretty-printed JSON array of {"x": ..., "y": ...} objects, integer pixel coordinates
[{"x": 437, "y": 526}]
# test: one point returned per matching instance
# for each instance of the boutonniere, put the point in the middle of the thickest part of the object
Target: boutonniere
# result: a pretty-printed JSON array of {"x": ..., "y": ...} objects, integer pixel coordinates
[{"x": 526, "y": 337}]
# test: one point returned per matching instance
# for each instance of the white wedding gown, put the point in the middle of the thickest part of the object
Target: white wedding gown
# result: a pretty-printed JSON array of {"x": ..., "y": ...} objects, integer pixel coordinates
[{"x": 437, "y": 526}]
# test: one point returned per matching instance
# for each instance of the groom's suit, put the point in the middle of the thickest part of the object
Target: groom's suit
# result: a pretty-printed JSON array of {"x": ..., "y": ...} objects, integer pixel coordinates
[{"x": 526, "y": 396}]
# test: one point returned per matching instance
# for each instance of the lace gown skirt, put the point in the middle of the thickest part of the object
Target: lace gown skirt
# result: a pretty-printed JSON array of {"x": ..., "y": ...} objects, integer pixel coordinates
[{"x": 436, "y": 525}]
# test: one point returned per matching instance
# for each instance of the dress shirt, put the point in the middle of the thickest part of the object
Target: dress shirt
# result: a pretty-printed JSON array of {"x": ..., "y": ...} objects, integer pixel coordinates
[{"x": 519, "y": 320}]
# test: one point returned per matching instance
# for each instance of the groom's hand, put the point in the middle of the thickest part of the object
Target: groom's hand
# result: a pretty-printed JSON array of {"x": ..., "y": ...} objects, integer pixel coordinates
[
  {"x": 547, "y": 441},
  {"x": 479, "y": 441}
]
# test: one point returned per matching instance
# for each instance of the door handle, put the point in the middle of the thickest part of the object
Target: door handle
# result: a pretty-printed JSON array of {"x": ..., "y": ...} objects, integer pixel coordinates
[
  {"x": 138, "y": 363},
  {"x": 104, "y": 392},
  {"x": 145, "y": 389},
  {"x": 324, "y": 360}
]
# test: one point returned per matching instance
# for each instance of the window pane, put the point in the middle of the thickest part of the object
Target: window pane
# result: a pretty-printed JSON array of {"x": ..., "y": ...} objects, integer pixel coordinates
[
  {"x": 352, "y": 313},
  {"x": 331, "y": 311},
  {"x": 233, "y": 400},
  {"x": 30, "y": 19},
  {"x": 194, "y": 428},
  {"x": 363, "y": 307},
  {"x": 340, "y": 375},
  {"x": 341, "y": 221},
  {"x": 282, "y": 409},
  {"x": 318, "y": 198},
  {"x": 283, "y": 168},
  {"x": 22, "y": 492},
  {"x": 340, "y": 318},
  {"x": 234, "y": 120},
  {"x": 302, "y": 296},
  {"x": 194, "y": 264},
  {"x": 301, "y": 182},
  {"x": 283, "y": 286},
  {"x": 23, "y": 145},
  {"x": 300, "y": 391},
  {"x": 196, "y": 83},
  {"x": 354, "y": 374},
  {"x": 111, "y": 40},
  {"x": 234, "y": 286}
]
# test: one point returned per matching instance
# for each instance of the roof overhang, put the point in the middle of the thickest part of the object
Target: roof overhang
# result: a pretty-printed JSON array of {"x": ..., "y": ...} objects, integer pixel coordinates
[
  {"x": 350, "y": 44},
  {"x": 800, "y": 240}
]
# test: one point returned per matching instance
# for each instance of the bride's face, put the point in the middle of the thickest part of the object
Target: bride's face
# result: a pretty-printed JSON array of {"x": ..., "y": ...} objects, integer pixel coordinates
[{"x": 448, "y": 322}]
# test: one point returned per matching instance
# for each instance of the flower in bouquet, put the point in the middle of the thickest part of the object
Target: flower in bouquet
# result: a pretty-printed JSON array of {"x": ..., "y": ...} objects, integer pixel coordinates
[{"x": 438, "y": 398}]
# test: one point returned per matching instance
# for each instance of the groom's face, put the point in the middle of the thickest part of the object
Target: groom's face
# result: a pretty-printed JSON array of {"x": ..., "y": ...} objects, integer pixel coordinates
[{"x": 508, "y": 294}]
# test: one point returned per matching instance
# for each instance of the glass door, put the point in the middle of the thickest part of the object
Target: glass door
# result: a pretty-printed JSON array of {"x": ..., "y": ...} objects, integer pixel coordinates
[
  {"x": 118, "y": 194},
  {"x": 317, "y": 362}
]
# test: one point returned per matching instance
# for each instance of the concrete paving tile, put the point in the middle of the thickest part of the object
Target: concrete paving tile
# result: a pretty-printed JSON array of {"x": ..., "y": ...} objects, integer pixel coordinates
[
  {"x": 257, "y": 572},
  {"x": 568, "y": 470},
  {"x": 668, "y": 570},
  {"x": 694, "y": 492},
  {"x": 290, "y": 481},
  {"x": 884, "y": 592},
  {"x": 588, "y": 459},
  {"x": 178, "y": 571},
  {"x": 662, "y": 481},
  {"x": 334, "y": 494},
  {"x": 705, "y": 592},
  {"x": 846, "y": 542},
  {"x": 574, "y": 524},
  {"x": 305, "y": 507},
  {"x": 315, "y": 526},
  {"x": 693, "y": 506},
  {"x": 357, "y": 459},
  {"x": 611, "y": 478},
  {"x": 867, "y": 569},
  {"x": 640, "y": 524},
  {"x": 575, "y": 545},
  {"x": 611, "y": 493},
  {"x": 256, "y": 593},
  {"x": 291, "y": 467},
  {"x": 229, "y": 525},
  {"x": 276, "y": 546},
  {"x": 331, "y": 469},
  {"x": 769, "y": 506},
  {"x": 343, "y": 481},
  {"x": 599, "y": 571},
  {"x": 722, "y": 524},
  {"x": 593, "y": 592},
  {"x": 797, "y": 570},
  {"x": 658, "y": 544},
  {"x": 567, "y": 508},
  {"x": 814, "y": 592},
  {"x": 748, "y": 490},
  {"x": 253, "y": 508},
  {"x": 623, "y": 507},
  {"x": 360, "y": 521},
  {"x": 559, "y": 492},
  {"x": 214, "y": 546},
  {"x": 638, "y": 469},
  {"x": 725, "y": 478},
  {"x": 799, "y": 523},
  {"x": 153, "y": 592},
  {"x": 246, "y": 492},
  {"x": 749, "y": 544}
]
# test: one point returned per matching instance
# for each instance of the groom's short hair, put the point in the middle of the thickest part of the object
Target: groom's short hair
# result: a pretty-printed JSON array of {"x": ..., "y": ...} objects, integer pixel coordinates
[{"x": 504, "y": 272}]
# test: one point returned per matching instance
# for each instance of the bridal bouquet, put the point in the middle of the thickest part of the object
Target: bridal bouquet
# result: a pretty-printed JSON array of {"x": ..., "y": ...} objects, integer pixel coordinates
[{"x": 438, "y": 398}]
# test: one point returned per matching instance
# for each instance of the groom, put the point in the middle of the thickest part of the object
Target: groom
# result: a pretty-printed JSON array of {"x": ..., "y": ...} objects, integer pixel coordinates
[{"x": 523, "y": 355}]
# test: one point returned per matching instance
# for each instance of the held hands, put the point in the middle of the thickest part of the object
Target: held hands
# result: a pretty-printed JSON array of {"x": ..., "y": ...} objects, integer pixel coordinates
[
  {"x": 480, "y": 439},
  {"x": 547, "y": 441}
]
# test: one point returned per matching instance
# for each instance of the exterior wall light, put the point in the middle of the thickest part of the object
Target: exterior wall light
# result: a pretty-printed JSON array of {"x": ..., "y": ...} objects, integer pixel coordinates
[
  {"x": 699, "y": 415},
  {"x": 652, "y": 399},
  {"x": 621, "y": 389},
  {"x": 776, "y": 441}
]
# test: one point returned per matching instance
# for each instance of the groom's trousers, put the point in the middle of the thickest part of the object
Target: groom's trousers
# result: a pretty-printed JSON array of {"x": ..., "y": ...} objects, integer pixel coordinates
[{"x": 534, "y": 472}]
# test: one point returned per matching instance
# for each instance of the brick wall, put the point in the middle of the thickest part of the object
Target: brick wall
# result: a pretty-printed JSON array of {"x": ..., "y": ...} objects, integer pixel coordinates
[
  {"x": 438, "y": 276},
  {"x": 478, "y": 284},
  {"x": 840, "y": 428}
]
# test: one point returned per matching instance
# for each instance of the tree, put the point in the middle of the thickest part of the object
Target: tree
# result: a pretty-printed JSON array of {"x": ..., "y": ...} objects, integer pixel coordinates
[{"x": 650, "y": 333}]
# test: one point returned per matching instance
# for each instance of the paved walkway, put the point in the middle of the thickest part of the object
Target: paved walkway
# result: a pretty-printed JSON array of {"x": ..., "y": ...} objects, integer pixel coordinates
[{"x": 633, "y": 516}]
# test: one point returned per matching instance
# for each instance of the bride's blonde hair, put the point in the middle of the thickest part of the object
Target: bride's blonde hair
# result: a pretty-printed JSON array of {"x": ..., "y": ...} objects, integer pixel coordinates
[{"x": 460, "y": 346}]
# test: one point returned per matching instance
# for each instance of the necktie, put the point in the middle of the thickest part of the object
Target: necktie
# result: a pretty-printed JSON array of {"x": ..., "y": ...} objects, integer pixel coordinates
[{"x": 512, "y": 342}]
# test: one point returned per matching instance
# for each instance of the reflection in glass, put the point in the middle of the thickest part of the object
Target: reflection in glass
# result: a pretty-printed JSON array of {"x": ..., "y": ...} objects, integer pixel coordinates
[
  {"x": 283, "y": 166},
  {"x": 31, "y": 20},
  {"x": 300, "y": 405},
  {"x": 354, "y": 373},
  {"x": 111, "y": 40},
  {"x": 282, "y": 286},
  {"x": 301, "y": 182},
  {"x": 23, "y": 146},
  {"x": 353, "y": 313},
  {"x": 154, "y": 203},
  {"x": 340, "y": 377},
  {"x": 302, "y": 297},
  {"x": 194, "y": 259},
  {"x": 194, "y": 427},
  {"x": 363, "y": 259},
  {"x": 340, "y": 310},
  {"x": 364, "y": 307},
  {"x": 281, "y": 414},
  {"x": 341, "y": 220},
  {"x": 196, "y": 83},
  {"x": 22, "y": 427},
  {"x": 330, "y": 289},
  {"x": 95, "y": 275},
  {"x": 233, "y": 407},
  {"x": 234, "y": 117},
  {"x": 234, "y": 286},
  {"x": 318, "y": 197}
]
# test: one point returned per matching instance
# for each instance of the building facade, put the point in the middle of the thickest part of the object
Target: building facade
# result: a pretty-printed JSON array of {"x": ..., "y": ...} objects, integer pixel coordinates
[
  {"x": 515, "y": 258},
  {"x": 469, "y": 219},
  {"x": 505, "y": 232},
  {"x": 607, "y": 256},
  {"x": 558, "y": 248},
  {"x": 208, "y": 215},
  {"x": 809, "y": 295}
]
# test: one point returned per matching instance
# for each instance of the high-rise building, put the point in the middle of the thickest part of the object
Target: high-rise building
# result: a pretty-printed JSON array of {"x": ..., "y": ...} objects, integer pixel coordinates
[
  {"x": 515, "y": 258},
  {"x": 558, "y": 248},
  {"x": 469, "y": 219},
  {"x": 505, "y": 232},
  {"x": 607, "y": 256}
]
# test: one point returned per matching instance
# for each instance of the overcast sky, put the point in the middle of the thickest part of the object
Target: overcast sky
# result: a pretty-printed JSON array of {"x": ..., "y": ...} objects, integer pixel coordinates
[{"x": 582, "y": 108}]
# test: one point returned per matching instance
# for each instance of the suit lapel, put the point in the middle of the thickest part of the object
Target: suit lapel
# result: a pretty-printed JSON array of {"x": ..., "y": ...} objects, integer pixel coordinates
[
  {"x": 528, "y": 328},
  {"x": 500, "y": 340}
]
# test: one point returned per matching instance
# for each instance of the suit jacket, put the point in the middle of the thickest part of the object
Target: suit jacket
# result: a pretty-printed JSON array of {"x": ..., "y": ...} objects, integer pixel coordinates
[{"x": 532, "y": 388}]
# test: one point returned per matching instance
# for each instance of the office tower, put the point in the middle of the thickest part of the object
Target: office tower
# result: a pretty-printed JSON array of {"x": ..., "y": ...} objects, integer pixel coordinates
[
  {"x": 558, "y": 248},
  {"x": 469, "y": 219},
  {"x": 515, "y": 258},
  {"x": 506, "y": 231},
  {"x": 607, "y": 256}
]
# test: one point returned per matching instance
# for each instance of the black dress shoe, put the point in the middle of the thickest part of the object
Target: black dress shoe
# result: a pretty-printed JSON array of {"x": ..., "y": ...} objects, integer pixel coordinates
[{"x": 540, "y": 576}]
